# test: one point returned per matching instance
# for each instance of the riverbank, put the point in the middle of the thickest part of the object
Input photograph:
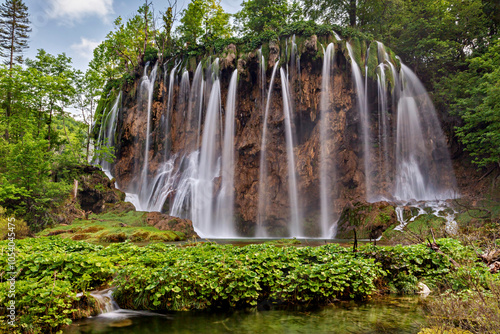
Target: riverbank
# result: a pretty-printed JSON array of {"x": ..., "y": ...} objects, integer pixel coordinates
[{"x": 55, "y": 276}]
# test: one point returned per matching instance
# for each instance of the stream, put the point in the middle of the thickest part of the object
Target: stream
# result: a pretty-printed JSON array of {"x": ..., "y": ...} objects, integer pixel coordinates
[{"x": 390, "y": 314}]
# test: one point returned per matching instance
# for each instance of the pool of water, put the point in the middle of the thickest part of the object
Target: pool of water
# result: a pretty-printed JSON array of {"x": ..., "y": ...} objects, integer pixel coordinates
[{"x": 399, "y": 315}]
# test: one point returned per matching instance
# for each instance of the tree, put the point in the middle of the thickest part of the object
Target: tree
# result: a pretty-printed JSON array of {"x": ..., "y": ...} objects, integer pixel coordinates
[
  {"x": 89, "y": 89},
  {"x": 165, "y": 37},
  {"x": 341, "y": 12},
  {"x": 204, "y": 20},
  {"x": 257, "y": 16},
  {"x": 14, "y": 29},
  {"x": 55, "y": 84},
  {"x": 474, "y": 95}
]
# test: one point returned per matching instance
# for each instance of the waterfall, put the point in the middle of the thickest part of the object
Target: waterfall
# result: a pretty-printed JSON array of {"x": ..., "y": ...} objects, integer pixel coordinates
[
  {"x": 195, "y": 105},
  {"x": 170, "y": 104},
  {"x": 184, "y": 196},
  {"x": 327, "y": 173},
  {"x": 383, "y": 131},
  {"x": 423, "y": 166},
  {"x": 107, "y": 134},
  {"x": 262, "y": 72},
  {"x": 225, "y": 200},
  {"x": 203, "y": 217},
  {"x": 363, "y": 115},
  {"x": 191, "y": 173},
  {"x": 147, "y": 85},
  {"x": 105, "y": 301},
  {"x": 295, "y": 227},
  {"x": 262, "y": 204}
]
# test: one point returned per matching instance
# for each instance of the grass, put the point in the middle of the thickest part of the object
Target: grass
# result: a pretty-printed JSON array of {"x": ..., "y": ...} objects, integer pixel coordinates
[{"x": 113, "y": 227}]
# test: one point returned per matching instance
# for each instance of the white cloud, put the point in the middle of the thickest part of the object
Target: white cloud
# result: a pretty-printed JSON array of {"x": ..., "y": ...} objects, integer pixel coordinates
[
  {"x": 85, "y": 48},
  {"x": 74, "y": 10}
]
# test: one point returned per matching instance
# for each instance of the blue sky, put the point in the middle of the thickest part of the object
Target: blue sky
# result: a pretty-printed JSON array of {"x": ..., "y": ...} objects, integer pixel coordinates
[{"x": 77, "y": 26}]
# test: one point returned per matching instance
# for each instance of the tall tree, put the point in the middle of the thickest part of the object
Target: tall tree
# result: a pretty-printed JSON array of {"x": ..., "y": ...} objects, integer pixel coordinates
[
  {"x": 257, "y": 16},
  {"x": 14, "y": 29},
  {"x": 333, "y": 11},
  {"x": 204, "y": 20}
]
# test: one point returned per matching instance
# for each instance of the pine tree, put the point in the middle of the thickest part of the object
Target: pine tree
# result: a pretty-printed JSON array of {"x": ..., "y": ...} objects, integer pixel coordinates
[{"x": 14, "y": 29}]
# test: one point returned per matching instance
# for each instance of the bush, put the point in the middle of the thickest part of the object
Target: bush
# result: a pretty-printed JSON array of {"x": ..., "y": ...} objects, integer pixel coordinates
[{"x": 12, "y": 225}]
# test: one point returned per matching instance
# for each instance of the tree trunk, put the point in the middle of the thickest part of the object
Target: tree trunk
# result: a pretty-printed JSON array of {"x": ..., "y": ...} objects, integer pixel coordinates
[{"x": 352, "y": 13}]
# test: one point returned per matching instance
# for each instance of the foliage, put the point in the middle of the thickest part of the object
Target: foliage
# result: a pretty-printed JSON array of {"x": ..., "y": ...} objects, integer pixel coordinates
[
  {"x": 473, "y": 310},
  {"x": 257, "y": 16},
  {"x": 207, "y": 275},
  {"x": 204, "y": 20},
  {"x": 9, "y": 225},
  {"x": 333, "y": 11},
  {"x": 124, "y": 47},
  {"x": 475, "y": 96},
  {"x": 42, "y": 141}
]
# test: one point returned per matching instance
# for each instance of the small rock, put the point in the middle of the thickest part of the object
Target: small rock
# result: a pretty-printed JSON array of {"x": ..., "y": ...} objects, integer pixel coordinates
[
  {"x": 121, "y": 323},
  {"x": 423, "y": 289}
]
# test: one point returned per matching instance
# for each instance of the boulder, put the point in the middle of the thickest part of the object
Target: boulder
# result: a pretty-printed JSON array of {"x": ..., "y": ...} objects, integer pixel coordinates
[{"x": 169, "y": 223}]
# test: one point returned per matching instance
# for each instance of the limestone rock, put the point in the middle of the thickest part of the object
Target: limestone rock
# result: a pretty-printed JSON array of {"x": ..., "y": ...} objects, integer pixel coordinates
[{"x": 168, "y": 223}]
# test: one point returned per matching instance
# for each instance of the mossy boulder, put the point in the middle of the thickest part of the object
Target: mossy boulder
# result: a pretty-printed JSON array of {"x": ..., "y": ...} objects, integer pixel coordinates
[
  {"x": 168, "y": 223},
  {"x": 369, "y": 220},
  {"x": 418, "y": 230}
]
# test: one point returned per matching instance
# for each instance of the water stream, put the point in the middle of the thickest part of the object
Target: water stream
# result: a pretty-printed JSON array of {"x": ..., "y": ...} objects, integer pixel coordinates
[{"x": 389, "y": 315}]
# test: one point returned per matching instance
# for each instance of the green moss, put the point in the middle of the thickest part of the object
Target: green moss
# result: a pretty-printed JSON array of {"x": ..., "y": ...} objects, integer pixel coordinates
[
  {"x": 113, "y": 227},
  {"x": 373, "y": 60}
]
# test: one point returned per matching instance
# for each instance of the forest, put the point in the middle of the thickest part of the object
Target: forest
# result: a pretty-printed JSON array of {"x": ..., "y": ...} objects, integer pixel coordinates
[{"x": 51, "y": 116}]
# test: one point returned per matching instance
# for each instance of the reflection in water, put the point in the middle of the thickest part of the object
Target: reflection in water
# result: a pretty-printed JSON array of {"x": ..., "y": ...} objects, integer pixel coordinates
[{"x": 386, "y": 315}]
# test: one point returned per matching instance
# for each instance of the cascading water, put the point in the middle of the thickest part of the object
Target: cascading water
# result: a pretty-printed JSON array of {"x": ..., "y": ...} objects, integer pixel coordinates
[
  {"x": 195, "y": 106},
  {"x": 383, "y": 130},
  {"x": 143, "y": 192},
  {"x": 262, "y": 199},
  {"x": 363, "y": 115},
  {"x": 209, "y": 168},
  {"x": 327, "y": 171},
  {"x": 225, "y": 200},
  {"x": 193, "y": 174},
  {"x": 295, "y": 227},
  {"x": 422, "y": 158},
  {"x": 107, "y": 134}
]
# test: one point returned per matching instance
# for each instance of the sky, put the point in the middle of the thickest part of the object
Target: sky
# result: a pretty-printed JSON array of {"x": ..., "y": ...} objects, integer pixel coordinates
[{"x": 76, "y": 27}]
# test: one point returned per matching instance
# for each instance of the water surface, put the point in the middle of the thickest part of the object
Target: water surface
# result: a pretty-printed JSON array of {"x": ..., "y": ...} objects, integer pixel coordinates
[{"x": 399, "y": 315}]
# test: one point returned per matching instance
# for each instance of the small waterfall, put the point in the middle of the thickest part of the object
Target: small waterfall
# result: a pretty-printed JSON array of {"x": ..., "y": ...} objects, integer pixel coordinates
[
  {"x": 423, "y": 166},
  {"x": 262, "y": 72},
  {"x": 295, "y": 227},
  {"x": 143, "y": 193},
  {"x": 363, "y": 114},
  {"x": 196, "y": 105},
  {"x": 262, "y": 204},
  {"x": 170, "y": 105},
  {"x": 225, "y": 200},
  {"x": 105, "y": 301},
  {"x": 209, "y": 166},
  {"x": 108, "y": 130},
  {"x": 147, "y": 85},
  {"x": 383, "y": 129},
  {"x": 184, "y": 96},
  {"x": 327, "y": 173},
  {"x": 184, "y": 195}
]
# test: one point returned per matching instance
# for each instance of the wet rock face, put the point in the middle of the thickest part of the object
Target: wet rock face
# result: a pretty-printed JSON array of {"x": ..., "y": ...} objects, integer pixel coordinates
[{"x": 343, "y": 145}]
